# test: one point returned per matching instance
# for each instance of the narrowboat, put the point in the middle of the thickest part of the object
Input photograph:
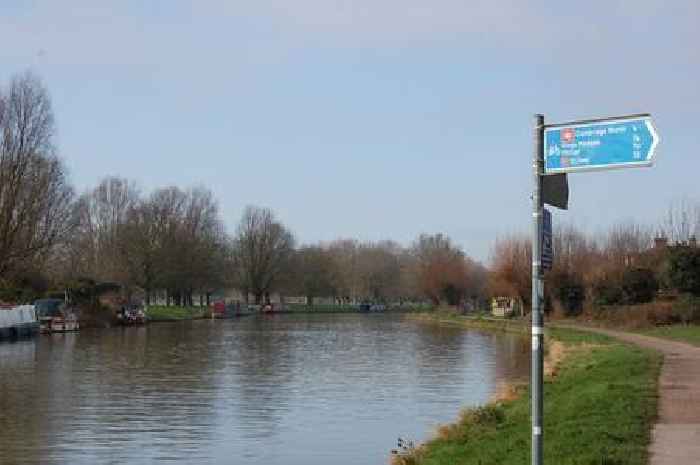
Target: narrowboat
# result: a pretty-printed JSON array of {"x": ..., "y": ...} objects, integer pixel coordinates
[
  {"x": 18, "y": 321},
  {"x": 55, "y": 317}
]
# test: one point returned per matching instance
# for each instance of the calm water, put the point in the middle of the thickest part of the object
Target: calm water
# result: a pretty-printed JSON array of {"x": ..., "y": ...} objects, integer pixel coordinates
[{"x": 284, "y": 389}]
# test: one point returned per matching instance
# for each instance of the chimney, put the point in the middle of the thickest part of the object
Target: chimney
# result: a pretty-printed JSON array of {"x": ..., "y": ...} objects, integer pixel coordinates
[{"x": 660, "y": 242}]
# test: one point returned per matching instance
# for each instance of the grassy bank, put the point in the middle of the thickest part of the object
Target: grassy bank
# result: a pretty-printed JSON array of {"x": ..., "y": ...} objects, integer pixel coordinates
[
  {"x": 480, "y": 322},
  {"x": 163, "y": 313},
  {"x": 599, "y": 409},
  {"x": 683, "y": 333},
  {"x": 331, "y": 308}
]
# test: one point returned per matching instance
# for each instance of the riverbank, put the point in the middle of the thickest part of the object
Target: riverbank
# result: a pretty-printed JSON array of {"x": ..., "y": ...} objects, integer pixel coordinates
[
  {"x": 600, "y": 406},
  {"x": 676, "y": 434},
  {"x": 331, "y": 308},
  {"x": 163, "y": 313},
  {"x": 483, "y": 323}
]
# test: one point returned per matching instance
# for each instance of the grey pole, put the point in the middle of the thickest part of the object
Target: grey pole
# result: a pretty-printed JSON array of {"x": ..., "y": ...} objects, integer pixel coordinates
[{"x": 536, "y": 375}]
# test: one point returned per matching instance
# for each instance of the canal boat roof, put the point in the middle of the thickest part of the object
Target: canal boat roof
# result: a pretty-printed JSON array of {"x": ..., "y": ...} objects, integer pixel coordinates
[{"x": 48, "y": 307}]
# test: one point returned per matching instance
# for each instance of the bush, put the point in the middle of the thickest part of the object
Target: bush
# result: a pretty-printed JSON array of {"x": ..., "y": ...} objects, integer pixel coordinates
[
  {"x": 683, "y": 270},
  {"x": 606, "y": 291},
  {"x": 686, "y": 310},
  {"x": 639, "y": 285},
  {"x": 569, "y": 292}
]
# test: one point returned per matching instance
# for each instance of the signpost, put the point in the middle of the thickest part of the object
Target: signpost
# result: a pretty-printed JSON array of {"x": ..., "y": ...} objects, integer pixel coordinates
[
  {"x": 609, "y": 143},
  {"x": 600, "y": 144}
]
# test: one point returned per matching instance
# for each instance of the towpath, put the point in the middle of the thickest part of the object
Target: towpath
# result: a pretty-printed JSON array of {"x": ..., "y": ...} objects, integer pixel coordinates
[{"x": 676, "y": 434}]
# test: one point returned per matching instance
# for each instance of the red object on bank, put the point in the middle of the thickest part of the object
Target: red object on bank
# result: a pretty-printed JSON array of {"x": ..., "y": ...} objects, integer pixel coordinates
[{"x": 219, "y": 307}]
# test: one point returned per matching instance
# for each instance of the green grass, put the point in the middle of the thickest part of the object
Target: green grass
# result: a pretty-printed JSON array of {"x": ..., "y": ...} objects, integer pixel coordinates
[
  {"x": 479, "y": 322},
  {"x": 163, "y": 313},
  {"x": 599, "y": 410},
  {"x": 321, "y": 308},
  {"x": 334, "y": 308},
  {"x": 689, "y": 334}
]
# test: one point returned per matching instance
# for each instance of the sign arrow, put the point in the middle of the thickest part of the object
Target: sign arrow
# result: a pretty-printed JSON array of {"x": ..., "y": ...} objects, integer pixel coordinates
[{"x": 610, "y": 143}]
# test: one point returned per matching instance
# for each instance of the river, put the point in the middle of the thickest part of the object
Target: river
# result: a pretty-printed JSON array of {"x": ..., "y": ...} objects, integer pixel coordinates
[{"x": 270, "y": 390}]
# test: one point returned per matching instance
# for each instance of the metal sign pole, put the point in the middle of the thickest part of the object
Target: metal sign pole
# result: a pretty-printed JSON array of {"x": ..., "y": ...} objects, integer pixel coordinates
[{"x": 536, "y": 375}]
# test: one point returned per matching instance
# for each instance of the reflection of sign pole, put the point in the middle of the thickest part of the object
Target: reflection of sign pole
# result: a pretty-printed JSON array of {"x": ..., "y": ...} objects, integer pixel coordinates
[{"x": 621, "y": 142}]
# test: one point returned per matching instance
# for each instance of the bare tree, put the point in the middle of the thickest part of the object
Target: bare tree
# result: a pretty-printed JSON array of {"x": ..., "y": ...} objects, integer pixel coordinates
[
  {"x": 682, "y": 220},
  {"x": 625, "y": 243},
  {"x": 263, "y": 247},
  {"x": 102, "y": 215},
  {"x": 35, "y": 196},
  {"x": 510, "y": 268},
  {"x": 346, "y": 279},
  {"x": 379, "y": 270},
  {"x": 442, "y": 269},
  {"x": 312, "y": 272}
]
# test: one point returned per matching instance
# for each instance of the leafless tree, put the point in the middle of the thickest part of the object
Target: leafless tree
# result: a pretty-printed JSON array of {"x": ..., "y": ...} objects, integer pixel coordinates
[
  {"x": 346, "y": 279},
  {"x": 102, "y": 216},
  {"x": 511, "y": 268},
  {"x": 625, "y": 243},
  {"x": 311, "y": 272},
  {"x": 263, "y": 247},
  {"x": 442, "y": 269},
  {"x": 35, "y": 196},
  {"x": 379, "y": 270},
  {"x": 682, "y": 220}
]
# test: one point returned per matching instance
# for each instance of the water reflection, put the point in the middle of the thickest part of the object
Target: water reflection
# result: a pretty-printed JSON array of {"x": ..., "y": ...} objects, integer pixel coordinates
[{"x": 270, "y": 390}]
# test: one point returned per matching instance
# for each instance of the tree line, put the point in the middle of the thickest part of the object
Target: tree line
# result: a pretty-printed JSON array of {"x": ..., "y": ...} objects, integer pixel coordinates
[
  {"x": 173, "y": 240},
  {"x": 629, "y": 264}
]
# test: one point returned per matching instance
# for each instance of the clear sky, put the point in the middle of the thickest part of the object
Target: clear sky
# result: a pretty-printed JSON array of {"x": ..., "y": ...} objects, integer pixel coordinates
[{"x": 365, "y": 118}]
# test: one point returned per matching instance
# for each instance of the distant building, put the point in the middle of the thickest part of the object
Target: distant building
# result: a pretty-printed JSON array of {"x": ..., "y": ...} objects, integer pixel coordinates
[{"x": 505, "y": 306}]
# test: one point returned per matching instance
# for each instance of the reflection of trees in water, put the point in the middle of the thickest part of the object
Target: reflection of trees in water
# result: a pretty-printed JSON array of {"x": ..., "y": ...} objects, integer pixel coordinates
[
  {"x": 163, "y": 391},
  {"x": 153, "y": 386},
  {"x": 438, "y": 351},
  {"x": 117, "y": 391},
  {"x": 21, "y": 419},
  {"x": 262, "y": 362},
  {"x": 511, "y": 356},
  {"x": 445, "y": 355}
]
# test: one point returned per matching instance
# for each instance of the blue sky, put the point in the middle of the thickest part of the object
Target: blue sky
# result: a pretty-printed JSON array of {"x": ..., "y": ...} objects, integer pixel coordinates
[{"x": 371, "y": 119}]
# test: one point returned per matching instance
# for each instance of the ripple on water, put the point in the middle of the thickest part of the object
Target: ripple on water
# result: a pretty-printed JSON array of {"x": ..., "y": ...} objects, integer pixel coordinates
[{"x": 281, "y": 390}]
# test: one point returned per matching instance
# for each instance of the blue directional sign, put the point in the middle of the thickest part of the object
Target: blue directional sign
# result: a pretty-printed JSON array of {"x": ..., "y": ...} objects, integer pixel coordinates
[{"x": 600, "y": 145}]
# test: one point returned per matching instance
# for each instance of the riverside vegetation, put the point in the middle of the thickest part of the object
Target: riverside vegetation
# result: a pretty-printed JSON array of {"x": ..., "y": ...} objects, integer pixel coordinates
[{"x": 600, "y": 405}]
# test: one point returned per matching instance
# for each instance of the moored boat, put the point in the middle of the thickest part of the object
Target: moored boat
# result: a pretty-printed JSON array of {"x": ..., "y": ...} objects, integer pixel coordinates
[
  {"x": 131, "y": 316},
  {"x": 55, "y": 317},
  {"x": 18, "y": 321}
]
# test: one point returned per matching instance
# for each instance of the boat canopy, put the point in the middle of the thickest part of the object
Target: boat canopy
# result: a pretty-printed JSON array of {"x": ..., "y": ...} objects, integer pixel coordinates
[{"x": 48, "y": 307}]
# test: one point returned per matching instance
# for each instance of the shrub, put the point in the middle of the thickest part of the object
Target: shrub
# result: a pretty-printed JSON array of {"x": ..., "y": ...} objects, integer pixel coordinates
[
  {"x": 683, "y": 270},
  {"x": 606, "y": 291},
  {"x": 639, "y": 285},
  {"x": 569, "y": 292},
  {"x": 686, "y": 310}
]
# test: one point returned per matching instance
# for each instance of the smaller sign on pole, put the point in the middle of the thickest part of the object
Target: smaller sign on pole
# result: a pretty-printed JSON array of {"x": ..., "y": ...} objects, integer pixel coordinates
[{"x": 547, "y": 248}]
